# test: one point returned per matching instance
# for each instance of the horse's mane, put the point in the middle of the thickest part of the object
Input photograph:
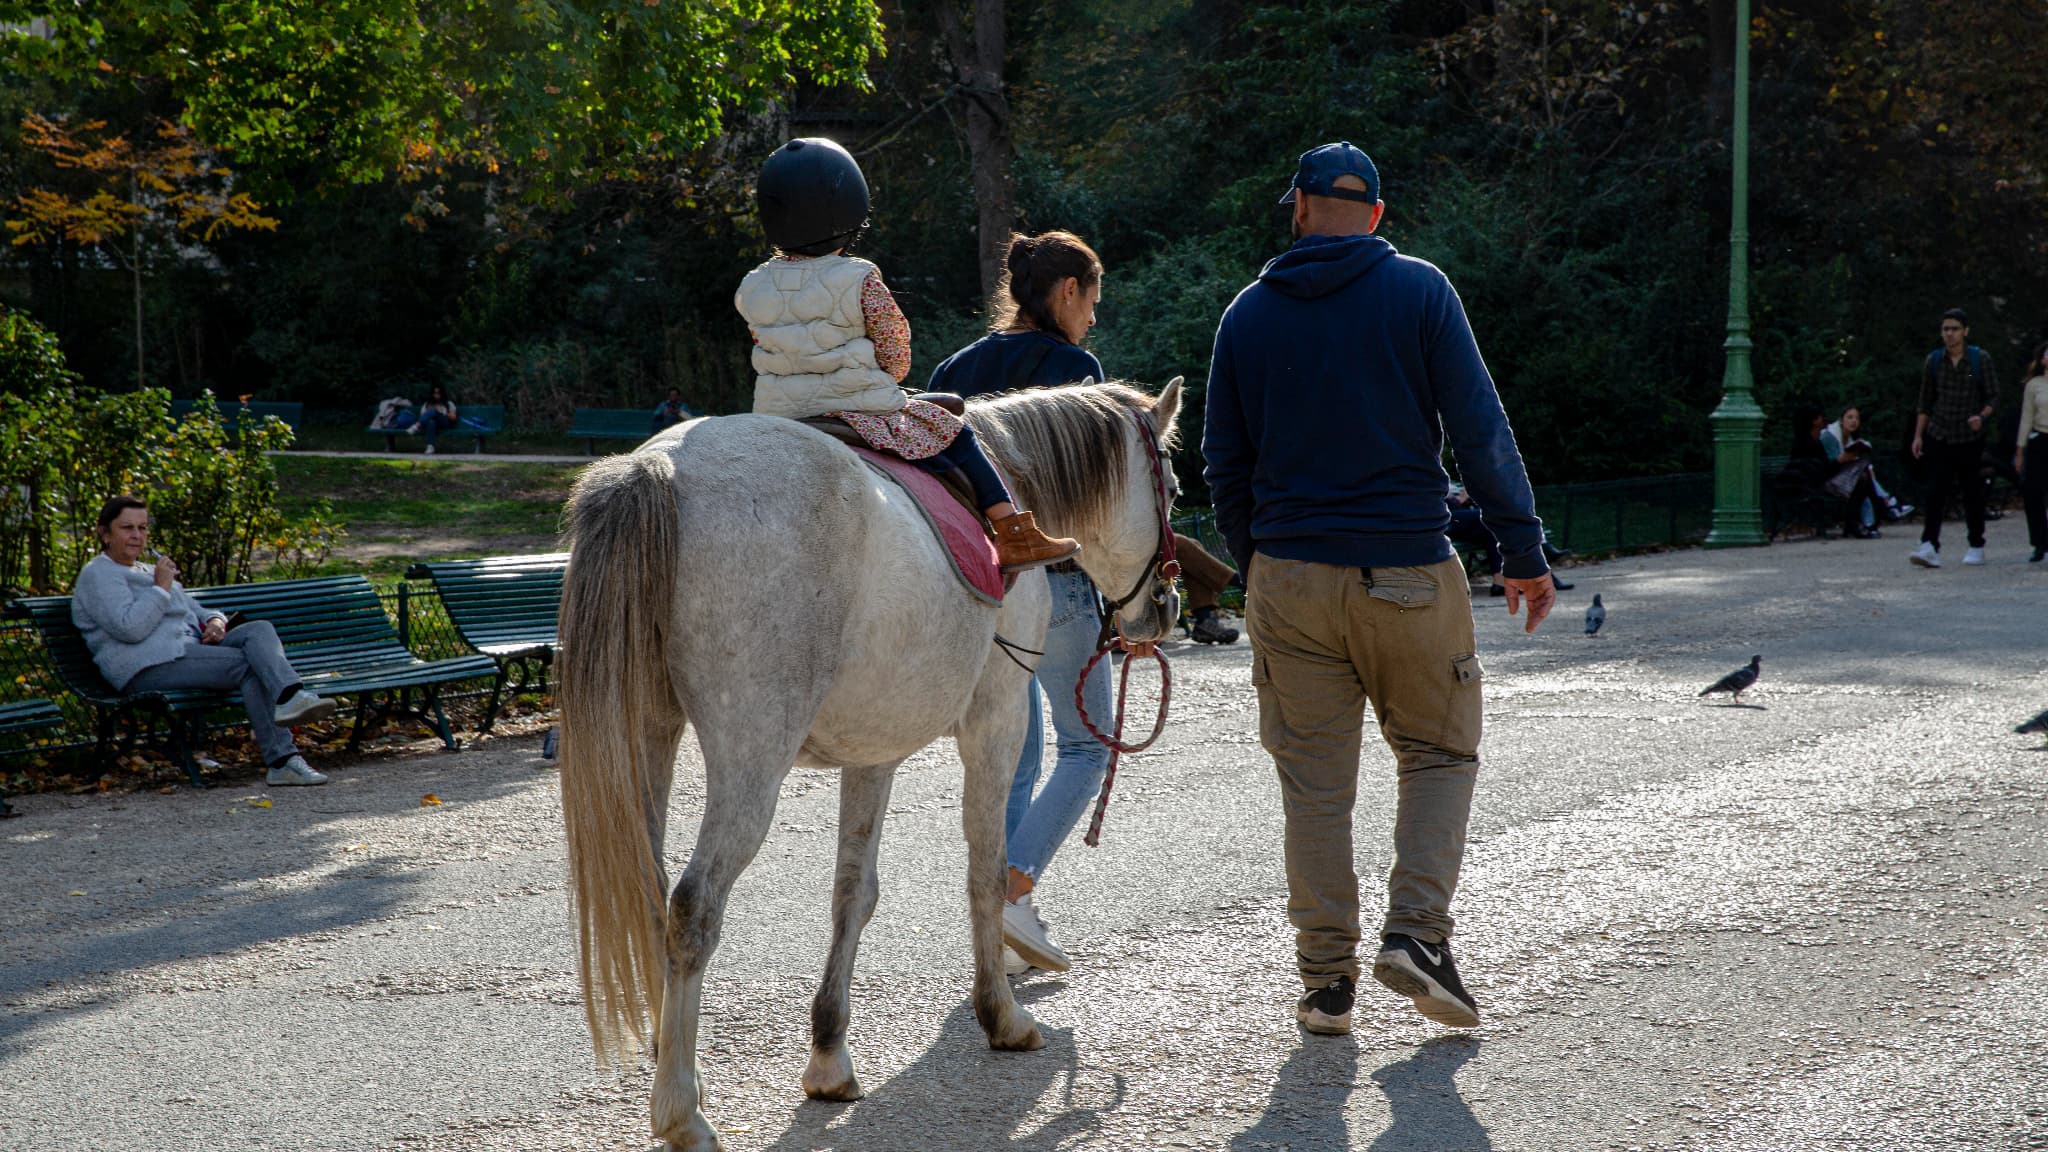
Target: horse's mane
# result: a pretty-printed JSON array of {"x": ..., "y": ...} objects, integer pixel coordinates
[{"x": 1062, "y": 448}]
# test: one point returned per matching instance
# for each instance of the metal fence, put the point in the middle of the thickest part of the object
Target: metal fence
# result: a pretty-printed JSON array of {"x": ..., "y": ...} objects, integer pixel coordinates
[
  {"x": 1623, "y": 515},
  {"x": 415, "y": 610},
  {"x": 1609, "y": 516}
]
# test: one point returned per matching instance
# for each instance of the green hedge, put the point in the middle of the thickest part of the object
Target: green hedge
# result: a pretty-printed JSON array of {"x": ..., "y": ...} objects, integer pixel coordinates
[{"x": 65, "y": 448}]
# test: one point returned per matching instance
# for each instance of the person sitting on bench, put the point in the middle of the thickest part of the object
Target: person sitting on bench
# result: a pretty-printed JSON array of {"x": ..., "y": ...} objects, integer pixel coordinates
[
  {"x": 147, "y": 635},
  {"x": 436, "y": 416}
]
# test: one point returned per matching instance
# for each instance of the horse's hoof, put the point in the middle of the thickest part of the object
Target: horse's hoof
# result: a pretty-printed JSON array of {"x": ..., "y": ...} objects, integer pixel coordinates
[
  {"x": 696, "y": 1136},
  {"x": 829, "y": 1076},
  {"x": 1022, "y": 1035}
]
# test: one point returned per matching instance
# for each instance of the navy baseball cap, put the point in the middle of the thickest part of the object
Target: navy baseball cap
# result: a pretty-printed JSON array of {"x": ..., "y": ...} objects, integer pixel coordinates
[{"x": 1319, "y": 168}]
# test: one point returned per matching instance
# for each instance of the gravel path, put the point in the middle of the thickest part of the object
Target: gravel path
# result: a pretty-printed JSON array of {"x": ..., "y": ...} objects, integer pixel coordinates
[{"x": 1821, "y": 923}]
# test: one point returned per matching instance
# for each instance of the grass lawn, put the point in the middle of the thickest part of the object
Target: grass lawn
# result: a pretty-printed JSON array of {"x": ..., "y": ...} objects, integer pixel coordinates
[
  {"x": 402, "y": 509},
  {"x": 518, "y": 442}
]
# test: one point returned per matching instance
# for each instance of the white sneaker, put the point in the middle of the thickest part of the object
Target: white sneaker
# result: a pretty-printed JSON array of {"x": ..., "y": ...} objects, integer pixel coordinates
[
  {"x": 1973, "y": 556},
  {"x": 294, "y": 771},
  {"x": 430, "y": 450},
  {"x": 1024, "y": 930},
  {"x": 1013, "y": 964},
  {"x": 304, "y": 708},
  {"x": 1926, "y": 555}
]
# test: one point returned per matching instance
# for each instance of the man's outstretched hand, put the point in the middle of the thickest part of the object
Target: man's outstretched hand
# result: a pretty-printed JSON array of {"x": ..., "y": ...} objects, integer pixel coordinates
[{"x": 1541, "y": 594}]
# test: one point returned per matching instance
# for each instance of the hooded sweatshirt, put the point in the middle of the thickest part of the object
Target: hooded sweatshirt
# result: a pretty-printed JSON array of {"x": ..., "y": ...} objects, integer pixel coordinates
[{"x": 1337, "y": 377}]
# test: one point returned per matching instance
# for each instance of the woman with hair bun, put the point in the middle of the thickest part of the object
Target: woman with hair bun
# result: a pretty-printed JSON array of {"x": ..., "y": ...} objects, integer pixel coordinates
[{"x": 1043, "y": 309}]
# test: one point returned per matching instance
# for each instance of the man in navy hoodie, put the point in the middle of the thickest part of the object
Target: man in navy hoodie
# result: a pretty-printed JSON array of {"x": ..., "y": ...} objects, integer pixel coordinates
[{"x": 1337, "y": 377}]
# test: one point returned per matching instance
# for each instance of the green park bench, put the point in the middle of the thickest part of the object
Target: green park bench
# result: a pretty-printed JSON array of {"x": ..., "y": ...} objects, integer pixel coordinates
[
  {"x": 490, "y": 416},
  {"x": 21, "y": 717},
  {"x": 505, "y": 607},
  {"x": 182, "y": 713},
  {"x": 593, "y": 424},
  {"x": 334, "y": 630},
  {"x": 232, "y": 413}
]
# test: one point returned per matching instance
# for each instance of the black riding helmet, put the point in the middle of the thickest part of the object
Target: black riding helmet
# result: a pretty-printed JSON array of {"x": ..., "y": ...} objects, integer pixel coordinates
[{"x": 812, "y": 197}]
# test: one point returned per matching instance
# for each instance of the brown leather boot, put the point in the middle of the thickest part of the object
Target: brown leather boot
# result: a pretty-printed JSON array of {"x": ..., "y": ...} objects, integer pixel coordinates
[{"x": 1020, "y": 545}]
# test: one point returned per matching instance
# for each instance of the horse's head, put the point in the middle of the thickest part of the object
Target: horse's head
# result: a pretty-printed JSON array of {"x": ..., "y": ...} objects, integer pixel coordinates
[{"x": 1090, "y": 460}]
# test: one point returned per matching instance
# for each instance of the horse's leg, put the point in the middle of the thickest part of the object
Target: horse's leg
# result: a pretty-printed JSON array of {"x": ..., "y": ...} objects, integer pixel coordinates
[
  {"x": 743, "y": 774},
  {"x": 991, "y": 738},
  {"x": 863, "y": 797}
]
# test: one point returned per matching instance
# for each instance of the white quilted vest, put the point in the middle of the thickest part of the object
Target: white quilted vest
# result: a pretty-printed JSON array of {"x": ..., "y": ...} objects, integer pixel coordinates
[{"x": 812, "y": 354}]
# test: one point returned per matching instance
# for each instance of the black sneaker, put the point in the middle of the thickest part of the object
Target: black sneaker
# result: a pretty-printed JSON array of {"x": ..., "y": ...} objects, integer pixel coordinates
[
  {"x": 1327, "y": 1009},
  {"x": 1425, "y": 974},
  {"x": 1209, "y": 628}
]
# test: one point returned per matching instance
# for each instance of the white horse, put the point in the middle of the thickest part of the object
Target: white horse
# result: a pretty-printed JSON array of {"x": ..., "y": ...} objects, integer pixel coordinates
[{"x": 753, "y": 577}]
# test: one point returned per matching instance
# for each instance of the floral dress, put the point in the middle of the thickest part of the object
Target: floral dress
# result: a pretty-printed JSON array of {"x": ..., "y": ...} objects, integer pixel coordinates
[{"x": 919, "y": 429}]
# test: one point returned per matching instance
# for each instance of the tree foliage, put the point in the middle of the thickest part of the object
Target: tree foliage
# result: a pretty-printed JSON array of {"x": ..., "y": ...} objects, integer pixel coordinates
[
  {"x": 65, "y": 448},
  {"x": 1566, "y": 162},
  {"x": 566, "y": 92}
]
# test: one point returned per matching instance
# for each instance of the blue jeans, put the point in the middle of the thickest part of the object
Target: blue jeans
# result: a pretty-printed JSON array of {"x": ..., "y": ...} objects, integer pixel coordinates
[
  {"x": 1037, "y": 825},
  {"x": 433, "y": 424}
]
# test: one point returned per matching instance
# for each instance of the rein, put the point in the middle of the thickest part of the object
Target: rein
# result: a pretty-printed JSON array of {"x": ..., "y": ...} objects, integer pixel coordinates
[{"x": 1160, "y": 574}]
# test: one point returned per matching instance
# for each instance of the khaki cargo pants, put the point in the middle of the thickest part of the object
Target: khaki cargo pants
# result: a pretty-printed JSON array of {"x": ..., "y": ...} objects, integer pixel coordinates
[{"x": 1327, "y": 641}]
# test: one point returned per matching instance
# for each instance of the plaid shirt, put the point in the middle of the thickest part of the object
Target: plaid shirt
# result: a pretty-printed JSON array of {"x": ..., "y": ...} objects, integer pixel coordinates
[{"x": 1950, "y": 394}]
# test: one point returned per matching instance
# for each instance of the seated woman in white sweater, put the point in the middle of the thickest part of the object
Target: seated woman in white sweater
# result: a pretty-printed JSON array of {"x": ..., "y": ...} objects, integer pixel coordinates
[{"x": 147, "y": 635}]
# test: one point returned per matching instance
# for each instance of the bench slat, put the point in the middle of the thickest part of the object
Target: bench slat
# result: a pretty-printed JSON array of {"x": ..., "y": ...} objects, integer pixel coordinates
[{"x": 30, "y": 715}]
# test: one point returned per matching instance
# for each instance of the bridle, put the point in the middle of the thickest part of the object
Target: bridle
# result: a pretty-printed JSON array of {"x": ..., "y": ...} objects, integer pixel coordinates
[
  {"x": 1165, "y": 566},
  {"x": 1159, "y": 574}
]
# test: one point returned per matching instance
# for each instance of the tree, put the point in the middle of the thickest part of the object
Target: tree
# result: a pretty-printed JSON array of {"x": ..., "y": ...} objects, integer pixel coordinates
[
  {"x": 315, "y": 93},
  {"x": 977, "y": 56},
  {"x": 155, "y": 193}
]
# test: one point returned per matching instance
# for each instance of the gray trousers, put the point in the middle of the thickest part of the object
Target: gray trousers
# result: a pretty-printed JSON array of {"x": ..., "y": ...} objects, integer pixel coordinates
[{"x": 249, "y": 660}]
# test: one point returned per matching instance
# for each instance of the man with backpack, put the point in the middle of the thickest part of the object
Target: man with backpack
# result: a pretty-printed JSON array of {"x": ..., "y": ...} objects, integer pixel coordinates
[{"x": 1956, "y": 398}]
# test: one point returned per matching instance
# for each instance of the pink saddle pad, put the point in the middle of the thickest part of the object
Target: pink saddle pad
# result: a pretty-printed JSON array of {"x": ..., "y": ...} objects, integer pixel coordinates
[{"x": 974, "y": 554}]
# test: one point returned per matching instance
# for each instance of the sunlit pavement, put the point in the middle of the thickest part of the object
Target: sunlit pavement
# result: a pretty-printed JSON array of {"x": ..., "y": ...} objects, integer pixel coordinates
[{"x": 1817, "y": 923}]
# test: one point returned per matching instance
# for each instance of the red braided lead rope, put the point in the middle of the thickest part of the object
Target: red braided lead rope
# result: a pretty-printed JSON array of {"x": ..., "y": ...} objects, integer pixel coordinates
[
  {"x": 1115, "y": 741},
  {"x": 1166, "y": 567}
]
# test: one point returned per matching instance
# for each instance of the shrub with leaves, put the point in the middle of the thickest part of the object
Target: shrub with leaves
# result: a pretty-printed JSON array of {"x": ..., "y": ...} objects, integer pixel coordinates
[{"x": 211, "y": 487}]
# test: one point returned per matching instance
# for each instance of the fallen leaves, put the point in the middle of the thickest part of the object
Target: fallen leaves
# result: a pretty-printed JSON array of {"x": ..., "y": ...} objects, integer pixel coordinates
[{"x": 430, "y": 801}]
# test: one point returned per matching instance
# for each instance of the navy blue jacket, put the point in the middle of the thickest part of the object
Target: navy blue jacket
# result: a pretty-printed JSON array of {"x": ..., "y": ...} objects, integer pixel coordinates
[
  {"x": 1336, "y": 377},
  {"x": 1002, "y": 361}
]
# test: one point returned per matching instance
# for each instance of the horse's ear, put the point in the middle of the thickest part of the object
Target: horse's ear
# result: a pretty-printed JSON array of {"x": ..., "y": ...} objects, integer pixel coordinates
[{"x": 1167, "y": 408}]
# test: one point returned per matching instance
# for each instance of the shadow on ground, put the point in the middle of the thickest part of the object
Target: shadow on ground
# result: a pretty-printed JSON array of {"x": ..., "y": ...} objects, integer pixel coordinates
[
  {"x": 112, "y": 887},
  {"x": 1312, "y": 1093},
  {"x": 985, "y": 1096}
]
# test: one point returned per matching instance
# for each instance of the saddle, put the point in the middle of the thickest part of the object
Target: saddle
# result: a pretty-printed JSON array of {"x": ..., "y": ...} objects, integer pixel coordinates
[{"x": 953, "y": 479}]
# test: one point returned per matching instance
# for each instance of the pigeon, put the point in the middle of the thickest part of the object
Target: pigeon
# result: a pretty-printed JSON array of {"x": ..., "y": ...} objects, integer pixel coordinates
[
  {"x": 2037, "y": 724},
  {"x": 1739, "y": 681},
  {"x": 1595, "y": 615}
]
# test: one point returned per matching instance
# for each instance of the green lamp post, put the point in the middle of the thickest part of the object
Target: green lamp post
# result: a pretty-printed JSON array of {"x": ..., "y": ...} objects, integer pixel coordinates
[{"x": 1738, "y": 422}]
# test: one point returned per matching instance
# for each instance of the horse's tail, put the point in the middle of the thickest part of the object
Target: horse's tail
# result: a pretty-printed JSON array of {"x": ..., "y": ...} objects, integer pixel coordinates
[{"x": 617, "y": 599}]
